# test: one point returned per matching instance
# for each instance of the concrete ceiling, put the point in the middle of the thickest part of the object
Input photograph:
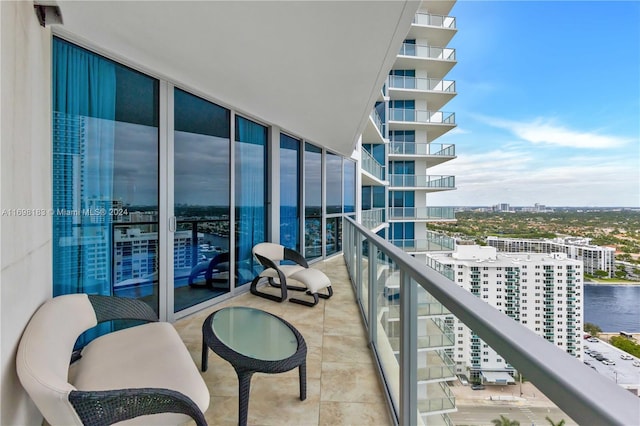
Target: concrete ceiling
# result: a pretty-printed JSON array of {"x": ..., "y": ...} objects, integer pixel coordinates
[{"x": 314, "y": 68}]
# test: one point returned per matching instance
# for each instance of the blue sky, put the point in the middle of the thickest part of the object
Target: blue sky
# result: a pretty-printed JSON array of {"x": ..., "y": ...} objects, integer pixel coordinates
[{"x": 548, "y": 104}]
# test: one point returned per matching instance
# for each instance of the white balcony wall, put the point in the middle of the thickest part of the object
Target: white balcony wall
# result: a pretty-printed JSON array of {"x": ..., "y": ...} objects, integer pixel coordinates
[{"x": 26, "y": 187}]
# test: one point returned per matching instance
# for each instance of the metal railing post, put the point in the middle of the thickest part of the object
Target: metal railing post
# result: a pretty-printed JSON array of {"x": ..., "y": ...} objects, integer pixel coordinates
[{"x": 408, "y": 351}]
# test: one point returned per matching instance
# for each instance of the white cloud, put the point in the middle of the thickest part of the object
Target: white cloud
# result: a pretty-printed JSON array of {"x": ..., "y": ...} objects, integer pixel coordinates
[
  {"x": 541, "y": 131},
  {"x": 517, "y": 177}
]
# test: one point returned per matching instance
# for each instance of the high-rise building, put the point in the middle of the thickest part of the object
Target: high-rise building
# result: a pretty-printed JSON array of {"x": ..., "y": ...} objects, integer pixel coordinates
[
  {"x": 541, "y": 291},
  {"x": 399, "y": 149},
  {"x": 399, "y": 145},
  {"x": 594, "y": 258}
]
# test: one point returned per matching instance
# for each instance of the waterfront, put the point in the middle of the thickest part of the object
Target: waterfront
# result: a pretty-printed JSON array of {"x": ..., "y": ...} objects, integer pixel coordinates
[{"x": 613, "y": 308}]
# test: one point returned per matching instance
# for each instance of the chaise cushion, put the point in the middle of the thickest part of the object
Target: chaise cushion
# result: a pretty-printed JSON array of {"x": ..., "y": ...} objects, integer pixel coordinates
[
  {"x": 138, "y": 357},
  {"x": 287, "y": 270}
]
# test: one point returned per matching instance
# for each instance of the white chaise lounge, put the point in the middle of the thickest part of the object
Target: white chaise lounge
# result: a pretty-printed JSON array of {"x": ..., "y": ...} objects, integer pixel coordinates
[{"x": 270, "y": 255}]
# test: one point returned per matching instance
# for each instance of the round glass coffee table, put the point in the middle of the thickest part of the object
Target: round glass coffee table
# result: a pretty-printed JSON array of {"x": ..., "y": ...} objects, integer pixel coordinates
[{"x": 254, "y": 341}]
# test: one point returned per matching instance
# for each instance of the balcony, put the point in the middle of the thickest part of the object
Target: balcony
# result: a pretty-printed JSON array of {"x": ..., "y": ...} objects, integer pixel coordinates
[
  {"x": 436, "y": 92},
  {"x": 437, "y": 123},
  {"x": 434, "y": 153},
  {"x": 437, "y": 61},
  {"x": 373, "y": 218},
  {"x": 585, "y": 395},
  {"x": 374, "y": 130},
  {"x": 422, "y": 213},
  {"x": 432, "y": 183},
  {"x": 374, "y": 170},
  {"x": 433, "y": 242},
  {"x": 438, "y": 29}
]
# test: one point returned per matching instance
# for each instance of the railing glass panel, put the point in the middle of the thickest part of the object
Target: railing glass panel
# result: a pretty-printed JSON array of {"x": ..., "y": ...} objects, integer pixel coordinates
[
  {"x": 435, "y": 20},
  {"x": 371, "y": 165},
  {"x": 417, "y": 83},
  {"x": 425, "y": 213},
  {"x": 373, "y": 218},
  {"x": 421, "y": 116},
  {"x": 586, "y": 396},
  {"x": 422, "y": 148},
  {"x": 422, "y": 181},
  {"x": 428, "y": 52}
]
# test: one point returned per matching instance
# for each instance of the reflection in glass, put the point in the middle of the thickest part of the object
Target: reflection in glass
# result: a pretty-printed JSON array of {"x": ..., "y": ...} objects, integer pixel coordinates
[
  {"x": 250, "y": 192},
  {"x": 313, "y": 201},
  {"x": 334, "y": 184},
  {"x": 201, "y": 200},
  {"x": 105, "y": 177},
  {"x": 349, "y": 186},
  {"x": 334, "y": 235},
  {"x": 289, "y": 192}
]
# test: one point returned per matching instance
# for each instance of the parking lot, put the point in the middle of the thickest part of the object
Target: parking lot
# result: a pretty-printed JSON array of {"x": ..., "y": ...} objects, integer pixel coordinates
[{"x": 623, "y": 372}]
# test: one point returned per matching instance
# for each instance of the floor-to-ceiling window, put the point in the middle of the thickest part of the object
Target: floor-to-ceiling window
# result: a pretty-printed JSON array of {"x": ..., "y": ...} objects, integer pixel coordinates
[
  {"x": 250, "y": 194},
  {"x": 333, "y": 206},
  {"x": 289, "y": 192},
  {"x": 105, "y": 177},
  {"x": 201, "y": 200},
  {"x": 313, "y": 201}
]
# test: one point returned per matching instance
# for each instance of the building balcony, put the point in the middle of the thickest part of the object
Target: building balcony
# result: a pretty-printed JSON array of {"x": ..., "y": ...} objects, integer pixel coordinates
[
  {"x": 434, "y": 153},
  {"x": 432, "y": 183},
  {"x": 437, "y": 61},
  {"x": 434, "y": 242},
  {"x": 437, "y": 123},
  {"x": 436, "y": 92},
  {"x": 438, "y": 29},
  {"x": 373, "y": 218},
  {"x": 374, "y": 171},
  {"x": 374, "y": 129},
  {"x": 422, "y": 213}
]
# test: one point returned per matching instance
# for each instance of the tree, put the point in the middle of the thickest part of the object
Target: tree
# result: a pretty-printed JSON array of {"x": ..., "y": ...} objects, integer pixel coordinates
[
  {"x": 552, "y": 423},
  {"x": 592, "y": 329},
  {"x": 504, "y": 421},
  {"x": 601, "y": 274}
]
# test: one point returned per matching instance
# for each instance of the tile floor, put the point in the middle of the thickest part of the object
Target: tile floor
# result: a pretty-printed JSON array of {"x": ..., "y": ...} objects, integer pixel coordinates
[{"x": 343, "y": 387}]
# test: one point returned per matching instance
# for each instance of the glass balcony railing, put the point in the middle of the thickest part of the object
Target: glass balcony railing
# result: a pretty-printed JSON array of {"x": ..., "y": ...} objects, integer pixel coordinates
[
  {"x": 371, "y": 165},
  {"x": 422, "y": 116},
  {"x": 422, "y": 181},
  {"x": 434, "y": 20},
  {"x": 422, "y": 148},
  {"x": 434, "y": 242},
  {"x": 378, "y": 121},
  {"x": 416, "y": 83},
  {"x": 428, "y": 52},
  {"x": 373, "y": 218},
  {"x": 440, "y": 268},
  {"x": 416, "y": 396},
  {"x": 421, "y": 213}
]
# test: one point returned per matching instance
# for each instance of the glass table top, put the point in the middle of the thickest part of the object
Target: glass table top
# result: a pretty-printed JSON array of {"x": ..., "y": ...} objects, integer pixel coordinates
[{"x": 254, "y": 333}]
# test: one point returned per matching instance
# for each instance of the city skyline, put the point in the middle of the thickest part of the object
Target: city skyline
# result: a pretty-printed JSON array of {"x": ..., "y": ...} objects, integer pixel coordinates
[{"x": 548, "y": 106}]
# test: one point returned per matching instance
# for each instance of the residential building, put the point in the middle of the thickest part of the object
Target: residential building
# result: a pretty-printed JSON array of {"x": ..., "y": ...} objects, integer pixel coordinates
[
  {"x": 541, "y": 291},
  {"x": 400, "y": 148},
  {"x": 594, "y": 258}
]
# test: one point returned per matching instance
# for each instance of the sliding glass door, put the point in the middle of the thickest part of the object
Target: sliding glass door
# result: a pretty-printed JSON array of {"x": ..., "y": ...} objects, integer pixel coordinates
[
  {"x": 201, "y": 189},
  {"x": 105, "y": 156}
]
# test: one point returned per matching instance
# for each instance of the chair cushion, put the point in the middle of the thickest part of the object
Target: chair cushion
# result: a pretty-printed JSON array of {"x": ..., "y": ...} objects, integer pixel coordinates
[
  {"x": 287, "y": 270},
  {"x": 138, "y": 357},
  {"x": 45, "y": 349},
  {"x": 313, "y": 279}
]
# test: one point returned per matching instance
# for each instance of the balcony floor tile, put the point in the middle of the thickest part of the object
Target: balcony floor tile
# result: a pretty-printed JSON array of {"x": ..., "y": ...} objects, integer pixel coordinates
[{"x": 342, "y": 382}]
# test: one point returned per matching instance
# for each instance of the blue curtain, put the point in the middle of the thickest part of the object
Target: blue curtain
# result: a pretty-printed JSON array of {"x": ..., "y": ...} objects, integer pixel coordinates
[
  {"x": 83, "y": 143},
  {"x": 250, "y": 194}
]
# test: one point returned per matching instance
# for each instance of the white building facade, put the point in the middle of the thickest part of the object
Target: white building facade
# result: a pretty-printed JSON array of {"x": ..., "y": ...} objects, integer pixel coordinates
[
  {"x": 543, "y": 292},
  {"x": 594, "y": 258}
]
